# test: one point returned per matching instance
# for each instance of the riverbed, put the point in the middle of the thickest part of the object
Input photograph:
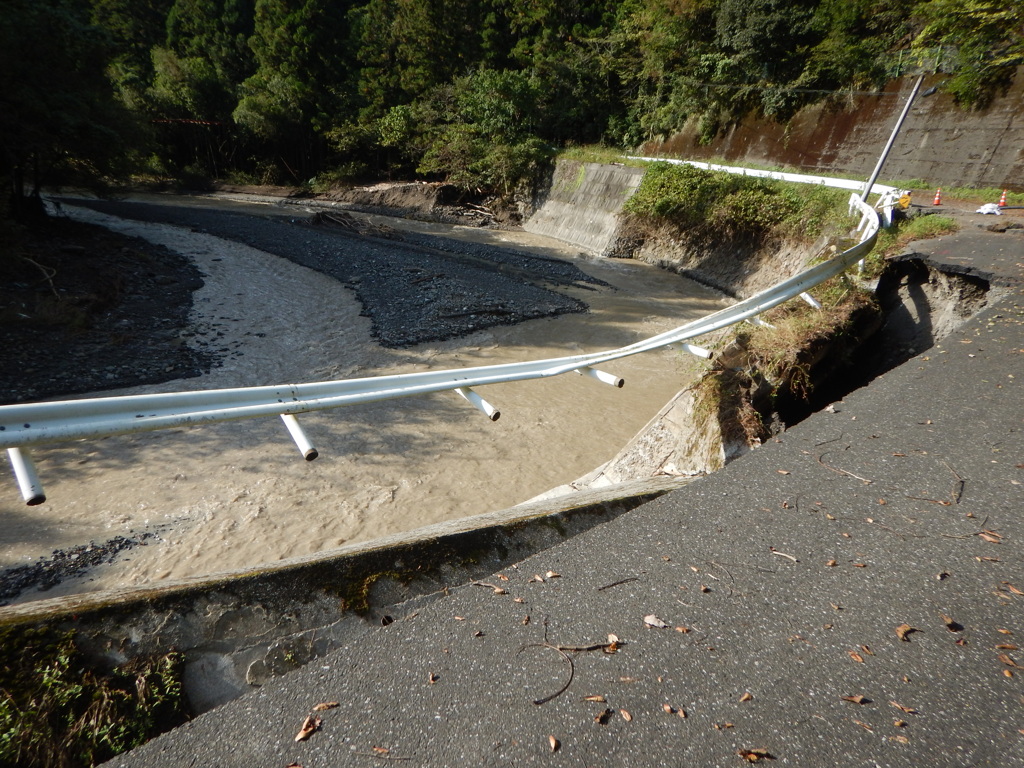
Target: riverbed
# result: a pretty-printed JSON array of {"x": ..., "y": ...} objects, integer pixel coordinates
[{"x": 230, "y": 496}]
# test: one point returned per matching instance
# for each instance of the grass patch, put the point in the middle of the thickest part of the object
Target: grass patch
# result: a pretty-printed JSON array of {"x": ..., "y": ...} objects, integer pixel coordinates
[
  {"x": 784, "y": 353},
  {"x": 892, "y": 241},
  {"x": 715, "y": 204},
  {"x": 59, "y": 711},
  {"x": 595, "y": 153},
  {"x": 977, "y": 195}
]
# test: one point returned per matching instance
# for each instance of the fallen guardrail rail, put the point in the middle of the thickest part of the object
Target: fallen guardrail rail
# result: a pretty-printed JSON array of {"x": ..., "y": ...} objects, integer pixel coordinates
[{"x": 31, "y": 424}]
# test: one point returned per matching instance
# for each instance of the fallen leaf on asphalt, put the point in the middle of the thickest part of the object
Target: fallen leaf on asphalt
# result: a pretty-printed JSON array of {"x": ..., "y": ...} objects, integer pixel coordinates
[
  {"x": 900, "y": 739},
  {"x": 326, "y": 705},
  {"x": 858, "y": 699},
  {"x": 309, "y": 727},
  {"x": 681, "y": 713},
  {"x": 723, "y": 726},
  {"x": 381, "y": 750},
  {"x": 478, "y": 633},
  {"x": 555, "y": 743},
  {"x": 867, "y": 650},
  {"x": 625, "y": 715},
  {"x": 526, "y": 619},
  {"x": 1004, "y": 631},
  {"x": 908, "y": 710},
  {"x": 460, "y": 618},
  {"x": 1007, "y": 647},
  {"x": 535, "y": 577},
  {"x": 705, "y": 588},
  {"x": 684, "y": 630},
  {"x": 602, "y": 718},
  {"x": 856, "y": 656},
  {"x": 903, "y": 630},
  {"x": 1007, "y": 673},
  {"x": 746, "y": 696},
  {"x": 294, "y": 765},
  {"x": 1005, "y": 658},
  {"x": 502, "y": 577},
  {"x": 432, "y": 678},
  {"x": 990, "y": 536},
  {"x": 755, "y": 755},
  {"x": 783, "y": 471},
  {"x": 553, "y": 575},
  {"x": 831, "y": 563},
  {"x": 669, "y": 709},
  {"x": 597, "y": 697},
  {"x": 951, "y": 625},
  {"x": 865, "y": 726},
  {"x": 899, "y": 723},
  {"x": 653, "y": 621},
  {"x": 860, "y": 565},
  {"x": 519, "y": 600},
  {"x": 1012, "y": 588}
]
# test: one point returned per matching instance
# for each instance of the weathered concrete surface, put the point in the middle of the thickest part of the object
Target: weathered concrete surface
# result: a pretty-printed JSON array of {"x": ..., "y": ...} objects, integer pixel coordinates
[
  {"x": 241, "y": 629},
  {"x": 940, "y": 143},
  {"x": 849, "y": 594},
  {"x": 583, "y": 204}
]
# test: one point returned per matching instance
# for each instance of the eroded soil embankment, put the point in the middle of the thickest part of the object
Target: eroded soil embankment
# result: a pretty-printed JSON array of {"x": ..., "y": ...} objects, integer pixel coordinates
[{"x": 753, "y": 389}]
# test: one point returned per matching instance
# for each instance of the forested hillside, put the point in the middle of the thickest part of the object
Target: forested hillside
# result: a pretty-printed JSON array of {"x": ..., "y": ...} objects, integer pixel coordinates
[{"x": 478, "y": 92}]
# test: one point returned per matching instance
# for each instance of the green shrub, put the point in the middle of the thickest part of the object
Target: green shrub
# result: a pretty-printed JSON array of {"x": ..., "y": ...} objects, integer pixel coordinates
[
  {"x": 714, "y": 204},
  {"x": 58, "y": 711}
]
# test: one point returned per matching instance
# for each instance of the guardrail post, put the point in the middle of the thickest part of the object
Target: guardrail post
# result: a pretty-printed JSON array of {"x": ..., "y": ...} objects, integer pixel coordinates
[
  {"x": 693, "y": 349},
  {"x": 479, "y": 403},
  {"x": 810, "y": 300},
  {"x": 605, "y": 378},
  {"x": 28, "y": 479},
  {"x": 299, "y": 436}
]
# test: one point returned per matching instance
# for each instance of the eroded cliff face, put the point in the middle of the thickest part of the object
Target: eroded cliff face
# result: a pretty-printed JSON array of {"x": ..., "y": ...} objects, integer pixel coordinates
[
  {"x": 739, "y": 402},
  {"x": 939, "y": 143}
]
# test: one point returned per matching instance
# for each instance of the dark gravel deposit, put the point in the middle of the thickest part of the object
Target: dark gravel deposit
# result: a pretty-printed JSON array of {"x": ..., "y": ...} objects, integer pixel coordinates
[
  {"x": 415, "y": 288},
  {"x": 85, "y": 309},
  {"x": 47, "y": 572}
]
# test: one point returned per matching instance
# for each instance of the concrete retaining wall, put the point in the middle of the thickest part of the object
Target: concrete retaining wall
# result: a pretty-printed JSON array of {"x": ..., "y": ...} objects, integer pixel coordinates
[
  {"x": 583, "y": 204},
  {"x": 237, "y": 630},
  {"x": 940, "y": 143}
]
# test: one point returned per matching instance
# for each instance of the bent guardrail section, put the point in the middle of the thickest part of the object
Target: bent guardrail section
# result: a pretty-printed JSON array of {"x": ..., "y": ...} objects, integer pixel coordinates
[{"x": 31, "y": 424}]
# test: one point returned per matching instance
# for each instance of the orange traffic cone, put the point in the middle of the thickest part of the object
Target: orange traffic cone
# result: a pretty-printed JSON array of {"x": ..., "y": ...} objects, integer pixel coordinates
[
  {"x": 1002, "y": 200},
  {"x": 938, "y": 197}
]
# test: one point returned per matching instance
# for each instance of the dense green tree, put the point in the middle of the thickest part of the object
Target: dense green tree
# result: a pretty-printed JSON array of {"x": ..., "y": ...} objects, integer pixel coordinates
[
  {"x": 134, "y": 28},
  {"x": 301, "y": 87},
  {"x": 988, "y": 38},
  {"x": 58, "y": 116}
]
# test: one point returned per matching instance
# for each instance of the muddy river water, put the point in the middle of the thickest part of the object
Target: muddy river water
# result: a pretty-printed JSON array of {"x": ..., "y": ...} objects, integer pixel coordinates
[{"x": 229, "y": 496}]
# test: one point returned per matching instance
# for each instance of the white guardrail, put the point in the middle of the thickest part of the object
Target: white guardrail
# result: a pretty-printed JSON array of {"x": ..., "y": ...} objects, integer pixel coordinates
[{"x": 32, "y": 424}]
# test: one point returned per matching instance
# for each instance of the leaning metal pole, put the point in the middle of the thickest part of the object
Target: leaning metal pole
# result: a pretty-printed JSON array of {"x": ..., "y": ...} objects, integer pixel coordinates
[{"x": 892, "y": 139}]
